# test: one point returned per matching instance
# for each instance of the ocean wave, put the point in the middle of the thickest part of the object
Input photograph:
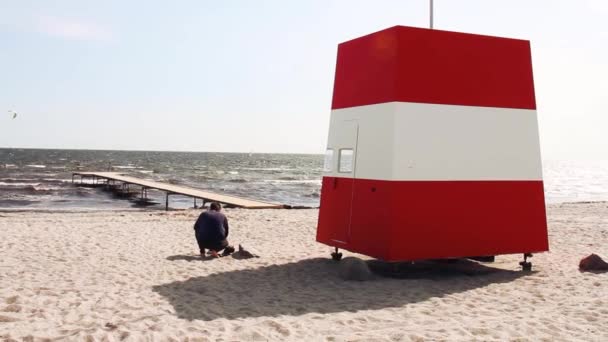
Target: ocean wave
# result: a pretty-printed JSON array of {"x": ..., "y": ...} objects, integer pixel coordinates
[
  {"x": 293, "y": 181},
  {"x": 33, "y": 181},
  {"x": 16, "y": 202},
  {"x": 200, "y": 178},
  {"x": 19, "y": 180},
  {"x": 34, "y": 188},
  {"x": 267, "y": 169},
  {"x": 314, "y": 194},
  {"x": 22, "y": 189},
  {"x": 288, "y": 178},
  {"x": 49, "y": 188},
  {"x": 46, "y": 175},
  {"x": 56, "y": 180},
  {"x": 84, "y": 192},
  {"x": 10, "y": 185}
]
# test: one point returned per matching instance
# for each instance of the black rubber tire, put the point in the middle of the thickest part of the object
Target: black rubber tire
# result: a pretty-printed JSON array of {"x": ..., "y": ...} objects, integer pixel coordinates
[
  {"x": 336, "y": 256},
  {"x": 526, "y": 266}
]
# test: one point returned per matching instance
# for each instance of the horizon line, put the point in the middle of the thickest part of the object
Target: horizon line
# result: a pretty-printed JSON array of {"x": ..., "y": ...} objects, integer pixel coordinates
[{"x": 136, "y": 150}]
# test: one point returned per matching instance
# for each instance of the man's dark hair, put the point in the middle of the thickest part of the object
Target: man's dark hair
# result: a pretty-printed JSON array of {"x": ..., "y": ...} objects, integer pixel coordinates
[{"x": 215, "y": 206}]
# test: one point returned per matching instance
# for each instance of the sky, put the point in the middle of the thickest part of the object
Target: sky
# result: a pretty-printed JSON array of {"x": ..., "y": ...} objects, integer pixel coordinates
[{"x": 257, "y": 76}]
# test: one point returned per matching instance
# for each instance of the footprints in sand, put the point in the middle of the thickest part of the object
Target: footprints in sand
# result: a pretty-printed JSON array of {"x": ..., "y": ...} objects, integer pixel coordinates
[
  {"x": 5, "y": 319},
  {"x": 263, "y": 331},
  {"x": 91, "y": 277},
  {"x": 12, "y": 299},
  {"x": 12, "y": 307}
]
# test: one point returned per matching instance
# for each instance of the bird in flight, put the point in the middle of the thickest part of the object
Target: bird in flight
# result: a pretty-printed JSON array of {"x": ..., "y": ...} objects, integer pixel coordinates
[{"x": 14, "y": 114}]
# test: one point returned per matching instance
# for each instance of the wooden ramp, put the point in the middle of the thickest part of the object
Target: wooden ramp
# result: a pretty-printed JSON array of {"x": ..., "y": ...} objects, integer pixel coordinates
[{"x": 170, "y": 189}]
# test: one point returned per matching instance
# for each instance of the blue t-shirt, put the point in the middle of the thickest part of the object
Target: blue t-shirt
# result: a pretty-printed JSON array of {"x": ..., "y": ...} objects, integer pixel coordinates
[{"x": 211, "y": 226}]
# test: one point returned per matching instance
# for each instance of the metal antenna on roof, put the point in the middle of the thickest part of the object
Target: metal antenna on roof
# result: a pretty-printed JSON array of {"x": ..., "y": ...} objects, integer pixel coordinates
[{"x": 431, "y": 13}]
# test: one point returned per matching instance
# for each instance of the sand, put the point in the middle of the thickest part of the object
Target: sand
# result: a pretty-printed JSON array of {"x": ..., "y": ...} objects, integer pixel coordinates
[{"x": 134, "y": 276}]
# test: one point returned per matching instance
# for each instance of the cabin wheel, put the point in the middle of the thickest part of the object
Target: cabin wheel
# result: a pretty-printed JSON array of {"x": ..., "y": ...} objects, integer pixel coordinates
[
  {"x": 526, "y": 265},
  {"x": 336, "y": 255}
]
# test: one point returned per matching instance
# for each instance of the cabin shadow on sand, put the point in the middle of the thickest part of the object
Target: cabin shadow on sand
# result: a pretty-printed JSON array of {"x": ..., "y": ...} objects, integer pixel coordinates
[{"x": 314, "y": 286}]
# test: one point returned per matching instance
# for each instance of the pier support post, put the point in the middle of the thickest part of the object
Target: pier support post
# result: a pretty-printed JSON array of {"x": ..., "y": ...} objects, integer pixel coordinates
[{"x": 167, "y": 201}]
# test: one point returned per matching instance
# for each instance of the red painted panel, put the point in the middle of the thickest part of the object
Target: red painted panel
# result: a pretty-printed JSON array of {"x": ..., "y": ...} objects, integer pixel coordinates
[
  {"x": 335, "y": 217},
  {"x": 468, "y": 218},
  {"x": 408, "y": 64},
  {"x": 366, "y": 70},
  {"x": 440, "y": 219},
  {"x": 371, "y": 218}
]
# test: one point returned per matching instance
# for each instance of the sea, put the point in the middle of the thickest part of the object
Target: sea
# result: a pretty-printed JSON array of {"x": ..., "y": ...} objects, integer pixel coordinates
[{"x": 41, "y": 179}]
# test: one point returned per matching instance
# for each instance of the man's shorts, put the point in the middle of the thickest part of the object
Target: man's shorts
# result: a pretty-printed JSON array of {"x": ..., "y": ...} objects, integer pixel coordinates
[{"x": 215, "y": 245}]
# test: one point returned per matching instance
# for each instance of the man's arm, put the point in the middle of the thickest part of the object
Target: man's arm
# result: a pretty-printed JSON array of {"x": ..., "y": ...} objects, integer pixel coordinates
[
  {"x": 197, "y": 223},
  {"x": 226, "y": 225}
]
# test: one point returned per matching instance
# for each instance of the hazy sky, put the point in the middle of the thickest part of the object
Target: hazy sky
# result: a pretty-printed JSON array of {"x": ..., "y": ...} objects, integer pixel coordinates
[{"x": 258, "y": 75}]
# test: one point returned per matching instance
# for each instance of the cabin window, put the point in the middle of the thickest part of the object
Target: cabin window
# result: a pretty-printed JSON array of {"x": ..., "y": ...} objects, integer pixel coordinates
[
  {"x": 329, "y": 160},
  {"x": 346, "y": 160}
]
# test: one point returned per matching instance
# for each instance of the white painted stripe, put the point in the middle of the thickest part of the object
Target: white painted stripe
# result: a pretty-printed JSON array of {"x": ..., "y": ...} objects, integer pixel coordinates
[
  {"x": 416, "y": 141},
  {"x": 375, "y": 133}
]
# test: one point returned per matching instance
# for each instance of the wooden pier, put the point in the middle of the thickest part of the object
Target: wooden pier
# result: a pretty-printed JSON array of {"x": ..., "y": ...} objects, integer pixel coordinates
[{"x": 114, "y": 178}]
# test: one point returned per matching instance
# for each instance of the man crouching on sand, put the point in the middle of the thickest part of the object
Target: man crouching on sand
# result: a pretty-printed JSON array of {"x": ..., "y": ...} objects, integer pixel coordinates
[{"x": 211, "y": 231}]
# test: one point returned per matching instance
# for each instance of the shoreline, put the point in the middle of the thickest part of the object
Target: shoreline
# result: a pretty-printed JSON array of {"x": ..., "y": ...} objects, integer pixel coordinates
[{"x": 91, "y": 210}]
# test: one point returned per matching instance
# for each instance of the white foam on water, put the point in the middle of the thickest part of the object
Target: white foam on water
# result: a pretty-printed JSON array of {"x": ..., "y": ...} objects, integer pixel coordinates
[
  {"x": 18, "y": 185},
  {"x": 575, "y": 181},
  {"x": 20, "y": 180},
  {"x": 267, "y": 169},
  {"x": 36, "y": 166},
  {"x": 293, "y": 181},
  {"x": 47, "y": 188}
]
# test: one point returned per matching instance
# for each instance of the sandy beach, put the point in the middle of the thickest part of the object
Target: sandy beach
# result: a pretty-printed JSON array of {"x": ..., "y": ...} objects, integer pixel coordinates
[{"x": 111, "y": 276}]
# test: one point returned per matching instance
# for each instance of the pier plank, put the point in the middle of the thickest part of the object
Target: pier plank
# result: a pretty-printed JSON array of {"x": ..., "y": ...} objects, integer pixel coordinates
[{"x": 171, "y": 189}]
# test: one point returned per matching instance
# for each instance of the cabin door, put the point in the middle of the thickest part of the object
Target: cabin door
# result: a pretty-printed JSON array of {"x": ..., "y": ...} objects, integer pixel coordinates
[{"x": 342, "y": 185}]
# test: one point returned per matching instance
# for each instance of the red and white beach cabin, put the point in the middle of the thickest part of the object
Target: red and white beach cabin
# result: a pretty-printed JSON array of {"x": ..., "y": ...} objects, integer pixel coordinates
[{"x": 433, "y": 148}]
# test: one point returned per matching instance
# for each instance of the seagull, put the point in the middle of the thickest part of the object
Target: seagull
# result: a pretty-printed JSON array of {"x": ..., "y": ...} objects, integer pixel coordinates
[{"x": 14, "y": 113}]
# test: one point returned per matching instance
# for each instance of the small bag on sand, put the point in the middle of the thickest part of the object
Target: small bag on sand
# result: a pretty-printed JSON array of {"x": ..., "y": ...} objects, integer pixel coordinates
[
  {"x": 242, "y": 253},
  {"x": 593, "y": 263}
]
